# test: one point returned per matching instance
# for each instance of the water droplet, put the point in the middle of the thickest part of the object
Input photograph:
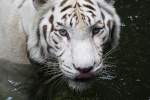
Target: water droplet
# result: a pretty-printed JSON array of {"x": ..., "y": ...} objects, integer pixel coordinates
[{"x": 138, "y": 80}]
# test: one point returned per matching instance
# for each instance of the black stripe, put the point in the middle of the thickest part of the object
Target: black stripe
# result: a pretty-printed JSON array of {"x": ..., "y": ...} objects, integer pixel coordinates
[
  {"x": 103, "y": 16},
  {"x": 89, "y": 1},
  {"x": 38, "y": 37},
  {"x": 55, "y": 41},
  {"x": 89, "y": 20},
  {"x": 71, "y": 24},
  {"x": 64, "y": 16},
  {"x": 53, "y": 8},
  {"x": 61, "y": 54},
  {"x": 63, "y": 2},
  {"x": 48, "y": 48},
  {"x": 65, "y": 8},
  {"x": 51, "y": 20},
  {"x": 57, "y": 35},
  {"x": 104, "y": 38},
  {"x": 89, "y": 6},
  {"x": 83, "y": 16},
  {"x": 45, "y": 31},
  {"x": 109, "y": 24},
  {"x": 42, "y": 51},
  {"x": 56, "y": 46},
  {"x": 93, "y": 15},
  {"x": 67, "y": 66},
  {"x": 77, "y": 4},
  {"x": 108, "y": 45},
  {"x": 61, "y": 24},
  {"x": 42, "y": 1}
]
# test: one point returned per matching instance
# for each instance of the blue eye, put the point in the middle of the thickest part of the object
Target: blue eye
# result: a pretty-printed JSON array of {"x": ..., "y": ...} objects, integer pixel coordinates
[
  {"x": 63, "y": 32},
  {"x": 96, "y": 30}
]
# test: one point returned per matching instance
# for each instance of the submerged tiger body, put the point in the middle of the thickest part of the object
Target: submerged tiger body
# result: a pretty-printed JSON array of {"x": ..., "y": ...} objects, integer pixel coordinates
[{"x": 75, "y": 32}]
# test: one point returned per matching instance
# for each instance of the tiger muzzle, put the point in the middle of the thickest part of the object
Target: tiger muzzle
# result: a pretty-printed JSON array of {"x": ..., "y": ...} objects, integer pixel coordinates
[{"x": 85, "y": 74}]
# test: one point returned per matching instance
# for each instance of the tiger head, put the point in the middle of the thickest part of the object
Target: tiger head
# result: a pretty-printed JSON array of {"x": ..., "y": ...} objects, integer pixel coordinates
[{"x": 76, "y": 32}]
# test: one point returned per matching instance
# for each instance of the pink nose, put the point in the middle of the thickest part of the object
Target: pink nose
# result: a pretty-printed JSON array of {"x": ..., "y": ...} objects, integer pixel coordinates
[{"x": 84, "y": 70}]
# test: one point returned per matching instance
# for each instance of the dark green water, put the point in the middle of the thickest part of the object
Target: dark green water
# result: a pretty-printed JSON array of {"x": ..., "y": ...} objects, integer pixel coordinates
[{"x": 132, "y": 59}]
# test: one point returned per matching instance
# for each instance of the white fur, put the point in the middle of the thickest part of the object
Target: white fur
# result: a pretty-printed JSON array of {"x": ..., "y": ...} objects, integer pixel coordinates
[
  {"x": 19, "y": 19},
  {"x": 12, "y": 36}
]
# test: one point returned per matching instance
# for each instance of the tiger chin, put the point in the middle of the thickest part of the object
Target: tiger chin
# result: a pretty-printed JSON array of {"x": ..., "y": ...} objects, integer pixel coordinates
[{"x": 74, "y": 32}]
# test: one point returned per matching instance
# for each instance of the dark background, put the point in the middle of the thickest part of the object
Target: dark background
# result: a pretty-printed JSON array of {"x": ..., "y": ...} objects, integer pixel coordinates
[{"x": 133, "y": 56}]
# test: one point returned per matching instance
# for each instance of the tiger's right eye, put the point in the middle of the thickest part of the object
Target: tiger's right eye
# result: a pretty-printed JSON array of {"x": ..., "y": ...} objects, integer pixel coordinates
[{"x": 63, "y": 32}]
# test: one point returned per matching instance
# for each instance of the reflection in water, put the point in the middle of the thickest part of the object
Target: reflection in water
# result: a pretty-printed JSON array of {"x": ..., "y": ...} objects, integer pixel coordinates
[
  {"x": 14, "y": 79},
  {"x": 9, "y": 98},
  {"x": 132, "y": 74},
  {"x": 14, "y": 84}
]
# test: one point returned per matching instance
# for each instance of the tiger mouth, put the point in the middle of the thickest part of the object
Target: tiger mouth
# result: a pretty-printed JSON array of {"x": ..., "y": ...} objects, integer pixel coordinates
[
  {"x": 82, "y": 80},
  {"x": 84, "y": 77}
]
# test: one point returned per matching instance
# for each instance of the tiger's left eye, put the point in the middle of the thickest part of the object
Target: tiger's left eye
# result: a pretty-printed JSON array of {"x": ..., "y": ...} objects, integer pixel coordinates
[{"x": 96, "y": 30}]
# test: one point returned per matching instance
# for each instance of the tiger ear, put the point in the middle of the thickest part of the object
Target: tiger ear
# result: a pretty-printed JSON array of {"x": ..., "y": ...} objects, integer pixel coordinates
[{"x": 39, "y": 3}]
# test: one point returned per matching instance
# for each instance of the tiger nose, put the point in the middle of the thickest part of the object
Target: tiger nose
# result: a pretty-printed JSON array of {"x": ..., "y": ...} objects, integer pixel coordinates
[{"x": 84, "y": 70}]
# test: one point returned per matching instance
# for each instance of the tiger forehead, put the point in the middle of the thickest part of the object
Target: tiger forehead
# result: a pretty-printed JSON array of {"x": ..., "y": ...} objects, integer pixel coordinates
[
  {"x": 78, "y": 7},
  {"x": 64, "y": 2},
  {"x": 78, "y": 13}
]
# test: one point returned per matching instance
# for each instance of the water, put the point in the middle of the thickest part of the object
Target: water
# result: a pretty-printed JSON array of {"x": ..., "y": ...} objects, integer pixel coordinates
[{"x": 132, "y": 58}]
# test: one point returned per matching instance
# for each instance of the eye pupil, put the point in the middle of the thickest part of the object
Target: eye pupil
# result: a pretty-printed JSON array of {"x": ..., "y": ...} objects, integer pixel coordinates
[{"x": 63, "y": 32}]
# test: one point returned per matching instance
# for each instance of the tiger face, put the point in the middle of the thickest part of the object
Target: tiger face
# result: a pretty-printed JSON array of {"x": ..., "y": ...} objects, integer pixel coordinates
[{"x": 76, "y": 32}]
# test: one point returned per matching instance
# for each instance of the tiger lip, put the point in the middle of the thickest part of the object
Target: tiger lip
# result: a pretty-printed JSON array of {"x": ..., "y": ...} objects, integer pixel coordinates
[{"x": 84, "y": 77}]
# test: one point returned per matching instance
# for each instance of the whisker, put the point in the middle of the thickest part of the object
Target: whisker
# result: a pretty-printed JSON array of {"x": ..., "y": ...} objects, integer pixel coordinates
[
  {"x": 108, "y": 62},
  {"x": 54, "y": 84},
  {"x": 51, "y": 68},
  {"x": 53, "y": 78},
  {"x": 59, "y": 82},
  {"x": 43, "y": 68},
  {"x": 53, "y": 72},
  {"x": 62, "y": 81},
  {"x": 106, "y": 73},
  {"x": 49, "y": 64},
  {"x": 110, "y": 52}
]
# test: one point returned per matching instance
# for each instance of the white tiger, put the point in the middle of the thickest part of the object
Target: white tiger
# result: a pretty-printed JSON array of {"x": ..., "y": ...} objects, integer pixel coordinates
[{"x": 76, "y": 32}]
